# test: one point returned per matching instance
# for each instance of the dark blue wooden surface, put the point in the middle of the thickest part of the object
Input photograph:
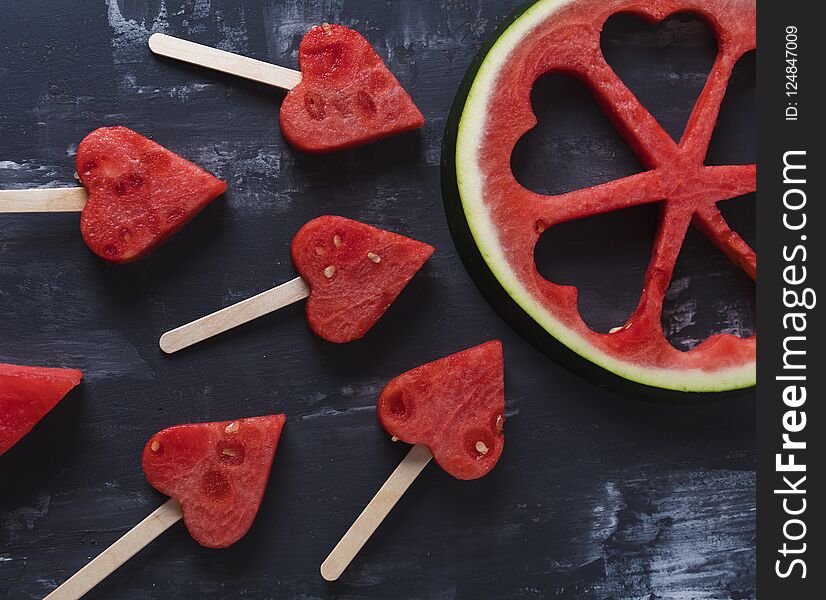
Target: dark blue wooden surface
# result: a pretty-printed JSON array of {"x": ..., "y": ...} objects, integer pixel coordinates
[{"x": 597, "y": 496}]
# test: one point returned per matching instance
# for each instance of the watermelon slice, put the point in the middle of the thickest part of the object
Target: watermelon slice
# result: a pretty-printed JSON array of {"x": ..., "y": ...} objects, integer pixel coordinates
[
  {"x": 347, "y": 96},
  {"x": 216, "y": 471},
  {"x": 140, "y": 193},
  {"x": 455, "y": 406},
  {"x": 354, "y": 271},
  {"x": 497, "y": 222},
  {"x": 26, "y": 395}
]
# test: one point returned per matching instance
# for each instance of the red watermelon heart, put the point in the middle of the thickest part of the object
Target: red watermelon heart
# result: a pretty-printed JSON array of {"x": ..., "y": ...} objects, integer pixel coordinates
[
  {"x": 26, "y": 395},
  {"x": 216, "y": 471},
  {"x": 455, "y": 406},
  {"x": 354, "y": 271},
  {"x": 347, "y": 96},
  {"x": 140, "y": 193}
]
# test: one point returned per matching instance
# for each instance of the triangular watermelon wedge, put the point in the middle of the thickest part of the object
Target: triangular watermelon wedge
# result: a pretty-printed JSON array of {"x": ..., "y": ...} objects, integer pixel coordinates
[
  {"x": 455, "y": 406},
  {"x": 347, "y": 96},
  {"x": 216, "y": 471},
  {"x": 354, "y": 271},
  {"x": 26, "y": 395},
  {"x": 140, "y": 193}
]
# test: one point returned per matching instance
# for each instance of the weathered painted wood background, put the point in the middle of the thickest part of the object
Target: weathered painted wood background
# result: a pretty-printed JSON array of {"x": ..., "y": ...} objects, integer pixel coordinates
[{"x": 596, "y": 497}]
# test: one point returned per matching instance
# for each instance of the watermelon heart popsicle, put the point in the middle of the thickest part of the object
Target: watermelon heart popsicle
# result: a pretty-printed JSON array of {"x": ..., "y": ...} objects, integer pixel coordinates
[
  {"x": 344, "y": 95},
  {"x": 215, "y": 473},
  {"x": 350, "y": 272},
  {"x": 27, "y": 394},
  {"x": 453, "y": 410},
  {"x": 136, "y": 194}
]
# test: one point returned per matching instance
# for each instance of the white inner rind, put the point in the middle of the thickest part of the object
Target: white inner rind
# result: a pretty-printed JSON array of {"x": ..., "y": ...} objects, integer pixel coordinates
[{"x": 471, "y": 130}]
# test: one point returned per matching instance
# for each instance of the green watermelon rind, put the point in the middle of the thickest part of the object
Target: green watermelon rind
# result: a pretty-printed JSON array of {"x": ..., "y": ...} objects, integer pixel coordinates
[{"x": 486, "y": 262}]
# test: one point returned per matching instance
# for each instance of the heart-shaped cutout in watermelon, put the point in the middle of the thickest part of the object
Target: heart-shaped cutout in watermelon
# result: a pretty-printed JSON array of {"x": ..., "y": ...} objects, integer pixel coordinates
[
  {"x": 455, "y": 406},
  {"x": 355, "y": 272},
  {"x": 26, "y": 395},
  {"x": 573, "y": 144},
  {"x": 497, "y": 222},
  {"x": 216, "y": 471},
  {"x": 347, "y": 96},
  {"x": 661, "y": 58},
  {"x": 140, "y": 193}
]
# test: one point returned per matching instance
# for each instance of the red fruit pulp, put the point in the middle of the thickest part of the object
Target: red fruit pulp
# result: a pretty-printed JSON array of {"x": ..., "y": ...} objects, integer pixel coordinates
[
  {"x": 347, "y": 95},
  {"x": 676, "y": 176},
  {"x": 26, "y": 395},
  {"x": 455, "y": 406},
  {"x": 140, "y": 193},
  {"x": 216, "y": 471},
  {"x": 355, "y": 272}
]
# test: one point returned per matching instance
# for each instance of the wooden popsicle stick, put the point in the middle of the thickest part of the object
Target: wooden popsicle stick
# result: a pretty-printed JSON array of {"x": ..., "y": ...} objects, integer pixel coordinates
[
  {"x": 235, "y": 315},
  {"x": 105, "y": 563},
  {"x": 43, "y": 200},
  {"x": 226, "y": 62},
  {"x": 375, "y": 512}
]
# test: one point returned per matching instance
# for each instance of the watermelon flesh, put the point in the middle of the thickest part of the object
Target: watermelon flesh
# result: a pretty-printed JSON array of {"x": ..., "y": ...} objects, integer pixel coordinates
[
  {"x": 507, "y": 219},
  {"x": 354, "y": 271},
  {"x": 216, "y": 471},
  {"x": 455, "y": 406},
  {"x": 26, "y": 395},
  {"x": 140, "y": 193},
  {"x": 347, "y": 96}
]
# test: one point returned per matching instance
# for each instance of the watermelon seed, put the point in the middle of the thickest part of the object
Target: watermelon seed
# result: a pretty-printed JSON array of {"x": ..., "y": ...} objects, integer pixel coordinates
[
  {"x": 230, "y": 453},
  {"x": 394, "y": 439},
  {"x": 481, "y": 448},
  {"x": 326, "y": 27},
  {"x": 329, "y": 271},
  {"x": 155, "y": 446},
  {"x": 231, "y": 428},
  {"x": 500, "y": 425},
  {"x": 337, "y": 241},
  {"x": 614, "y": 329},
  {"x": 374, "y": 257}
]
